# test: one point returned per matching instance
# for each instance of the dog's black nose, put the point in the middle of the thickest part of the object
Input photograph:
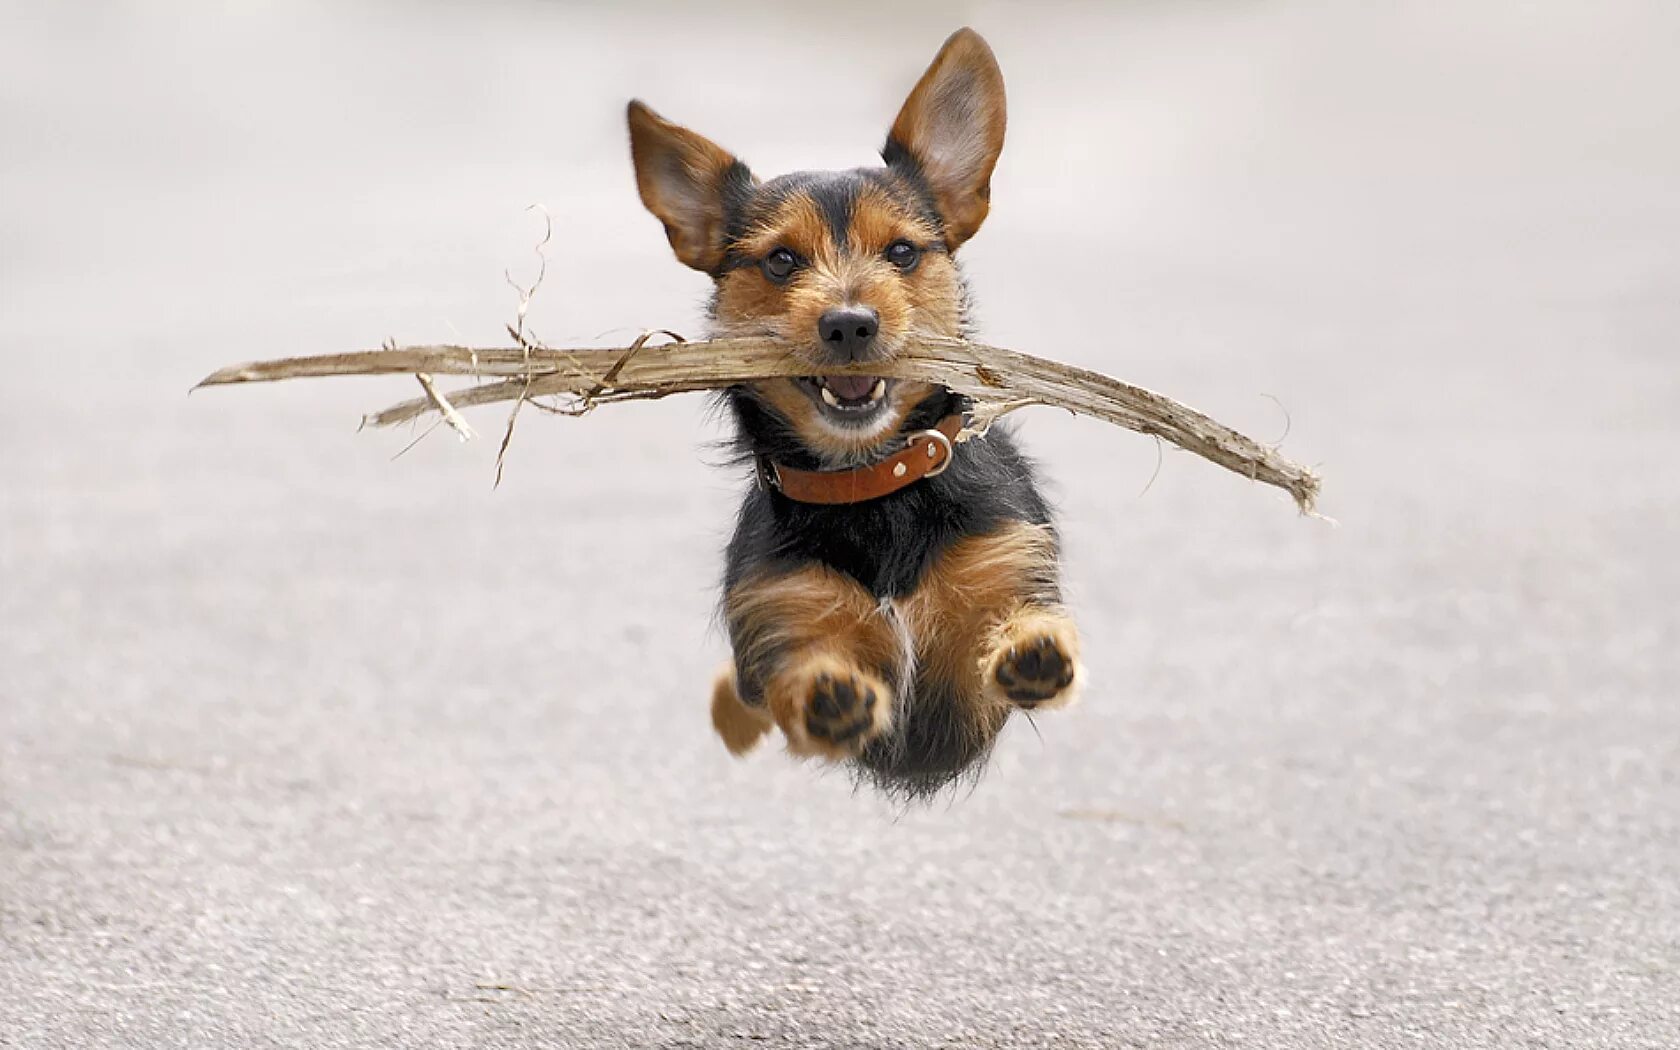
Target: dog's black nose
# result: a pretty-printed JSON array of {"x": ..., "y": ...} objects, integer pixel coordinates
[{"x": 848, "y": 332}]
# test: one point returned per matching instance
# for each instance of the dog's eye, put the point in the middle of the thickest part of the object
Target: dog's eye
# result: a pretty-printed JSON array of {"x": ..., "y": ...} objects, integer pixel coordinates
[
  {"x": 903, "y": 255},
  {"x": 779, "y": 265}
]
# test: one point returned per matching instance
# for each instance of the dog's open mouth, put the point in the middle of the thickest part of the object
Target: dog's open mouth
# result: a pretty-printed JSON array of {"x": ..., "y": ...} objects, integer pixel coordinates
[{"x": 848, "y": 397}]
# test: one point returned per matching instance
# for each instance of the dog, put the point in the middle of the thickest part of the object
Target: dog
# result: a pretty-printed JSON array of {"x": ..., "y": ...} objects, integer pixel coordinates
[{"x": 891, "y": 597}]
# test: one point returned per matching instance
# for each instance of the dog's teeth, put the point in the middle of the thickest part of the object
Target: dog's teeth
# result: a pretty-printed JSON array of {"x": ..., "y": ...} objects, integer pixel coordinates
[
  {"x": 878, "y": 391},
  {"x": 828, "y": 396}
]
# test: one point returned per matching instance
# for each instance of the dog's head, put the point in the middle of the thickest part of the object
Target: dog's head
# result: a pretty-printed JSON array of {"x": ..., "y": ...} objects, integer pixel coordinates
[{"x": 840, "y": 265}]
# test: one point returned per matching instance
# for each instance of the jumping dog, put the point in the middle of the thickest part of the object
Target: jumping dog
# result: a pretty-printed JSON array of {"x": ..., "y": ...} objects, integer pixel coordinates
[{"x": 891, "y": 597}]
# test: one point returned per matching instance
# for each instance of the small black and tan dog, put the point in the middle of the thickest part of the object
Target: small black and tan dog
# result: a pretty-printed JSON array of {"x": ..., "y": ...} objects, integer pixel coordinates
[{"x": 891, "y": 598}]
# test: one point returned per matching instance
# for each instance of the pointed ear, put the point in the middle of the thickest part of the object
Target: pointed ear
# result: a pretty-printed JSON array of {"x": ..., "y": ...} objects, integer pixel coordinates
[
  {"x": 950, "y": 131},
  {"x": 688, "y": 182}
]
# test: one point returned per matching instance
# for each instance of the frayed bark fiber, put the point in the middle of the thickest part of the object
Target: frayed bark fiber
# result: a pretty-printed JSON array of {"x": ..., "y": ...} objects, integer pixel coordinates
[{"x": 997, "y": 380}]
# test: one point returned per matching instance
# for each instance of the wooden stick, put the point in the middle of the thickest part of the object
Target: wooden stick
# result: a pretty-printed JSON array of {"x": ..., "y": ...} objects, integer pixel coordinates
[
  {"x": 997, "y": 380},
  {"x": 444, "y": 408}
]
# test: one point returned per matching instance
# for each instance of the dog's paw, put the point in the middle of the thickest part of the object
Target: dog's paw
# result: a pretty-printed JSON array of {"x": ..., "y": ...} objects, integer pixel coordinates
[
  {"x": 1035, "y": 664},
  {"x": 830, "y": 708}
]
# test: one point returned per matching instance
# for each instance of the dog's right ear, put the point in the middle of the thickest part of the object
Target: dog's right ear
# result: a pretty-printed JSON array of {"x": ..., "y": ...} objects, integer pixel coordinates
[
  {"x": 950, "y": 132},
  {"x": 688, "y": 182}
]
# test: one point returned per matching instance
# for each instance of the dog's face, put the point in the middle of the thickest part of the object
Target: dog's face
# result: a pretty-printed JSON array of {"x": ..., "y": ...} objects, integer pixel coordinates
[{"x": 843, "y": 266}]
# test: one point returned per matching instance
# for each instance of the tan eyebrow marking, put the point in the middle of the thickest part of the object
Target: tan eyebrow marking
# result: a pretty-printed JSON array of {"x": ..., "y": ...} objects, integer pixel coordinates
[
  {"x": 878, "y": 220},
  {"x": 796, "y": 224}
]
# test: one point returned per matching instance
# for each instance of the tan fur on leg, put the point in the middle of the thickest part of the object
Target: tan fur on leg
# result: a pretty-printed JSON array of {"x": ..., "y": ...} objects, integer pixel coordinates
[
  {"x": 740, "y": 726},
  {"x": 985, "y": 596},
  {"x": 820, "y": 650}
]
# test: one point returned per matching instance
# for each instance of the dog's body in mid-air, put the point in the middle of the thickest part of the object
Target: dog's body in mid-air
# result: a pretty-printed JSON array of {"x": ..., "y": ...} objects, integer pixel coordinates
[{"x": 891, "y": 598}]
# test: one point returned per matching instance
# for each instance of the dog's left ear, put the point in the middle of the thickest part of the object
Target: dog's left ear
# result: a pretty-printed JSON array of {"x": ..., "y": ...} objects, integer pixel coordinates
[
  {"x": 688, "y": 182},
  {"x": 950, "y": 131}
]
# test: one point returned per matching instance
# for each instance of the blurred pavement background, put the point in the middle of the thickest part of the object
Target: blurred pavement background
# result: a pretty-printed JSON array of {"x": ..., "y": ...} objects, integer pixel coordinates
[{"x": 301, "y": 745}]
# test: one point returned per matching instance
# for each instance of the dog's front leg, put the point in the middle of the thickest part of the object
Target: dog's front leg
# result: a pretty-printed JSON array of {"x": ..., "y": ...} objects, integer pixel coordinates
[
  {"x": 991, "y": 629},
  {"x": 815, "y": 655}
]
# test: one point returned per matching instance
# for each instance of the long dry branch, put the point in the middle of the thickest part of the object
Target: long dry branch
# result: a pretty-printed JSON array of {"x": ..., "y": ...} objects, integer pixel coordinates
[{"x": 997, "y": 380}]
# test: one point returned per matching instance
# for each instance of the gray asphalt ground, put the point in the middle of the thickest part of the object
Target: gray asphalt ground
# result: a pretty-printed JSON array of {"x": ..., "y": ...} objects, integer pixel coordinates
[{"x": 304, "y": 746}]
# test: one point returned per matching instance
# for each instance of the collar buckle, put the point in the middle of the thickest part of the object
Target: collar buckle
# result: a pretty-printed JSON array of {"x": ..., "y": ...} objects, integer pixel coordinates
[
  {"x": 765, "y": 475},
  {"x": 937, "y": 442}
]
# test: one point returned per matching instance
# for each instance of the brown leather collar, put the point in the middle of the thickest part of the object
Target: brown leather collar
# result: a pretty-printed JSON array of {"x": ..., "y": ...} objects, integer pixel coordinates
[{"x": 929, "y": 453}]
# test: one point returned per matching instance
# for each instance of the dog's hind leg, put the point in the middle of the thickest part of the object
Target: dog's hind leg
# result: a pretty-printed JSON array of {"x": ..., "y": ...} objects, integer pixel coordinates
[
  {"x": 739, "y": 724},
  {"x": 815, "y": 651}
]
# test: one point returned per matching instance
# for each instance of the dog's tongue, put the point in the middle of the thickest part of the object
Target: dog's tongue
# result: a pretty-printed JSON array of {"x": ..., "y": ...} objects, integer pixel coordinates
[{"x": 852, "y": 388}]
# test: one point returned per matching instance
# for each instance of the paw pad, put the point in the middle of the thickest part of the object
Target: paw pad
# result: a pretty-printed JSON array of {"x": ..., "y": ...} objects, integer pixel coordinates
[
  {"x": 841, "y": 709},
  {"x": 1034, "y": 671}
]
